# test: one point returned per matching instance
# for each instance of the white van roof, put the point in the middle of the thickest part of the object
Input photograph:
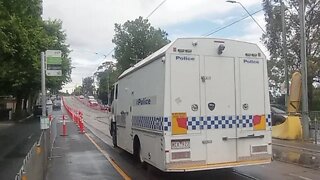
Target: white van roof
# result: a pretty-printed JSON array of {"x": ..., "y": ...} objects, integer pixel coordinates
[{"x": 163, "y": 50}]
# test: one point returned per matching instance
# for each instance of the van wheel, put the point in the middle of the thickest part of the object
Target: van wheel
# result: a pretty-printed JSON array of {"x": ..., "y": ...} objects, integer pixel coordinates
[
  {"x": 114, "y": 141},
  {"x": 140, "y": 156},
  {"x": 137, "y": 152},
  {"x": 113, "y": 133}
]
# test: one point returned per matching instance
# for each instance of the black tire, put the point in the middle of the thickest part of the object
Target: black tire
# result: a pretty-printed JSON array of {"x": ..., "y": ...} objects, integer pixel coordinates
[
  {"x": 137, "y": 153},
  {"x": 137, "y": 150},
  {"x": 113, "y": 133}
]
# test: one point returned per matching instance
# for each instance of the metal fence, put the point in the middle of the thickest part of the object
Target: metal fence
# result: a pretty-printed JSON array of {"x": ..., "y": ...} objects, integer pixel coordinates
[
  {"x": 315, "y": 125},
  {"x": 35, "y": 164}
]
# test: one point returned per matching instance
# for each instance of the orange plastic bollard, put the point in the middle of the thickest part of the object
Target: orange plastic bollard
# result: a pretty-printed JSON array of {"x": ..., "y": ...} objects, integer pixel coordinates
[
  {"x": 64, "y": 126},
  {"x": 81, "y": 127}
]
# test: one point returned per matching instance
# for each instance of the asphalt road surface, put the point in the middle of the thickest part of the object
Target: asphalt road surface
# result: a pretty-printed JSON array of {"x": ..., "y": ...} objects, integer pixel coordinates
[
  {"x": 97, "y": 122},
  {"x": 16, "y": 139}
]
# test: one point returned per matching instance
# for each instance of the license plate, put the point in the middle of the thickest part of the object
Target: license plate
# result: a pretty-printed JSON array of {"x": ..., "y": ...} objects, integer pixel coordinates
[{"x": 180, "y": 144}]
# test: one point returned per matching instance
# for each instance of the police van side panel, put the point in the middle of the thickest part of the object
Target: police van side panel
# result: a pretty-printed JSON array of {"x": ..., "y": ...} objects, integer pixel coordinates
[{"x": 141, "y": 99}]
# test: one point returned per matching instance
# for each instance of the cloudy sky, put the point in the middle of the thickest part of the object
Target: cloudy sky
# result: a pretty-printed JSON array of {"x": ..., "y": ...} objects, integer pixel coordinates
[{"x": 89, "y": 24}]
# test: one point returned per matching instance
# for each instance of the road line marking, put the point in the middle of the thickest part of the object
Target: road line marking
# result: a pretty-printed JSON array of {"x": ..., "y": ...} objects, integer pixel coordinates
[
  {"x": 301, "y": 177},
  {"x": 105, "y": 154}
]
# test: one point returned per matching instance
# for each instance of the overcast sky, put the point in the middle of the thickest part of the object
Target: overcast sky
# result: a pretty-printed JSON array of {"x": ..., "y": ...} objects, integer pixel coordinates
[{"x": 89, "y": 24}]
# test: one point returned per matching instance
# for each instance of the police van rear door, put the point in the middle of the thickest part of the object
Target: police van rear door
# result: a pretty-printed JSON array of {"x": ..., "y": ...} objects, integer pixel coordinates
[
  {"x": 253, "y": 118},
  {"x": 219, "y": 123}
]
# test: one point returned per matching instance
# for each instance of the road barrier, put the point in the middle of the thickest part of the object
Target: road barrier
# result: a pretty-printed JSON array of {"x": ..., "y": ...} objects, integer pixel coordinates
[
  {"x": 34, "y": 166},
  {"x": 98, "y": 107},
  {"x": 77, "y": 116},
  {"x": 64, "y": 126}
]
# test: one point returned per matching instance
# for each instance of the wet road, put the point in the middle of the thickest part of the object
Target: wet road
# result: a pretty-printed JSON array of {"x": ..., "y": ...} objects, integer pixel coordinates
[
  {"x": 16, "y": 139},
  {"x": 98, "y": 124}
]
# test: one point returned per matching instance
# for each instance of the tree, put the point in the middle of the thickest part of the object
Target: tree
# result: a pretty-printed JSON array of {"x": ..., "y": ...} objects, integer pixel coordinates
[
  {"x": 77, "y": 91},
  {"x": 272, "y": 39},
  {"x": 106, "y": 80},
  {"x": 87, "y": 86},
  {"x": 57, "y": 41},
  {"x": 135, "y": 40},
  {"x": 23, "y": 36}
]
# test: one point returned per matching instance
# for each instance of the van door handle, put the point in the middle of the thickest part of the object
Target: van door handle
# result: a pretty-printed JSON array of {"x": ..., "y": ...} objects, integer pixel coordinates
[
  {"x": 204, "y": 78},
  {"x": 251, "y": 136},
  {"x": 206, "y": 141}
]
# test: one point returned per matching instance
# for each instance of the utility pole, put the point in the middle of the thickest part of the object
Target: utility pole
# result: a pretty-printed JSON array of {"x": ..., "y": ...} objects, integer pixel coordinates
[
  {"x": 43, "y": 86},
  {"x": 284, "y": 53},
  {"x": 305, "y": 117},
  {"x": 108, "y": 93}
]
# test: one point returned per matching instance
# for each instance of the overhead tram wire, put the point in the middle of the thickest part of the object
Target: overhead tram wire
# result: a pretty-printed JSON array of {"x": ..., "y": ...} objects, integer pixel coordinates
[
  {"x": 224, "y": 27},
  {"x": 156, "y": 8},
  {"x": 153, "y": 11}
]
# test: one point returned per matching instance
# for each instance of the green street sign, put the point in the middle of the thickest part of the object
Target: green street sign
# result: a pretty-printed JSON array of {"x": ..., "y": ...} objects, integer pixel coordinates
[{"x": 54, "y": 60}]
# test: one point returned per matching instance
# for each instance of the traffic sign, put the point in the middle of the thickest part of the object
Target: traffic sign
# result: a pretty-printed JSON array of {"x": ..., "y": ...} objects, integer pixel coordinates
[{"x": 54, "y": 60}]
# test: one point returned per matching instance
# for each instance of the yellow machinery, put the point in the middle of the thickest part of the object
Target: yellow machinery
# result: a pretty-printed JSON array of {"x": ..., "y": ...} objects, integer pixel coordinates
[{"x": 291, "y": 128}]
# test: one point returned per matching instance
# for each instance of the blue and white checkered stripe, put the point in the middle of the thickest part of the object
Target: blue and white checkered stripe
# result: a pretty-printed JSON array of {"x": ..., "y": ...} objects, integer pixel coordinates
[
  {"x": 197, "y": 123},
  {"x": 148, "y": 122},
  {"x": 223, "y": 122},
  {"x": 269, "y": 120},
  {"x": 218, "y": 122},
  {"x": 166, "y": 124}
]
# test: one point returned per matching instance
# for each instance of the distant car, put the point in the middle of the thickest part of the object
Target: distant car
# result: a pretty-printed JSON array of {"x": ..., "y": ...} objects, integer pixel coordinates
[
  {"x": 90, "y": 97},
  {"x": 81, "y": 97},
  {"x": 93, "y": 103},
  {"x": 104, "y": 107},
  {"x": 56, "y": 105}
]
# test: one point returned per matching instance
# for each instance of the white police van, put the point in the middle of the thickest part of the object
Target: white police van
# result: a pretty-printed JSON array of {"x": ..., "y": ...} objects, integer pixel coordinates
[{"x": 195, "y": 104}]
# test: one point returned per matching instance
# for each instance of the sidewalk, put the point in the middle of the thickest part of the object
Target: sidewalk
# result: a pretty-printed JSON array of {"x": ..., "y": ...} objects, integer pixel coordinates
[
  {"x": 306, "y": 154},
  {"x": 75, "y": 157}
]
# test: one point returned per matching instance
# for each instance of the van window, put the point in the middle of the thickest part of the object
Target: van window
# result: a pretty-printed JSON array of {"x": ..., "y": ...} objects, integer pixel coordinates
[{"x": 116, "y": 92}]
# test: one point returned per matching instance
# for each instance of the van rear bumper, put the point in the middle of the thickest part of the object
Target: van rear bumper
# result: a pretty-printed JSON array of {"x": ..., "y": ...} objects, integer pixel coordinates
[{"x": 200, "y": 165}]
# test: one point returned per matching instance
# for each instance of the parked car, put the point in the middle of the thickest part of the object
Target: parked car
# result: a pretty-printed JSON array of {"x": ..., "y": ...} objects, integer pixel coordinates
[
  {"x": 278, "y": 114},
  {"x": 81, "y": 97},
  {"x": 37, "y": 111}
]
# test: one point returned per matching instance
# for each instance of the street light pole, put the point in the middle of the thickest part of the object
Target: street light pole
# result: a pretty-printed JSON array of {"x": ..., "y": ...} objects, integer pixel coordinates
[
  {"x": 284, "y": 53},
  {"x": 43, "y": 85},
  {"x": 305, "y": 118},
  {"x": 108, "y": 92},
  {"x": 248, "y": 14},
  {"x": 109, "y": 65}
]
